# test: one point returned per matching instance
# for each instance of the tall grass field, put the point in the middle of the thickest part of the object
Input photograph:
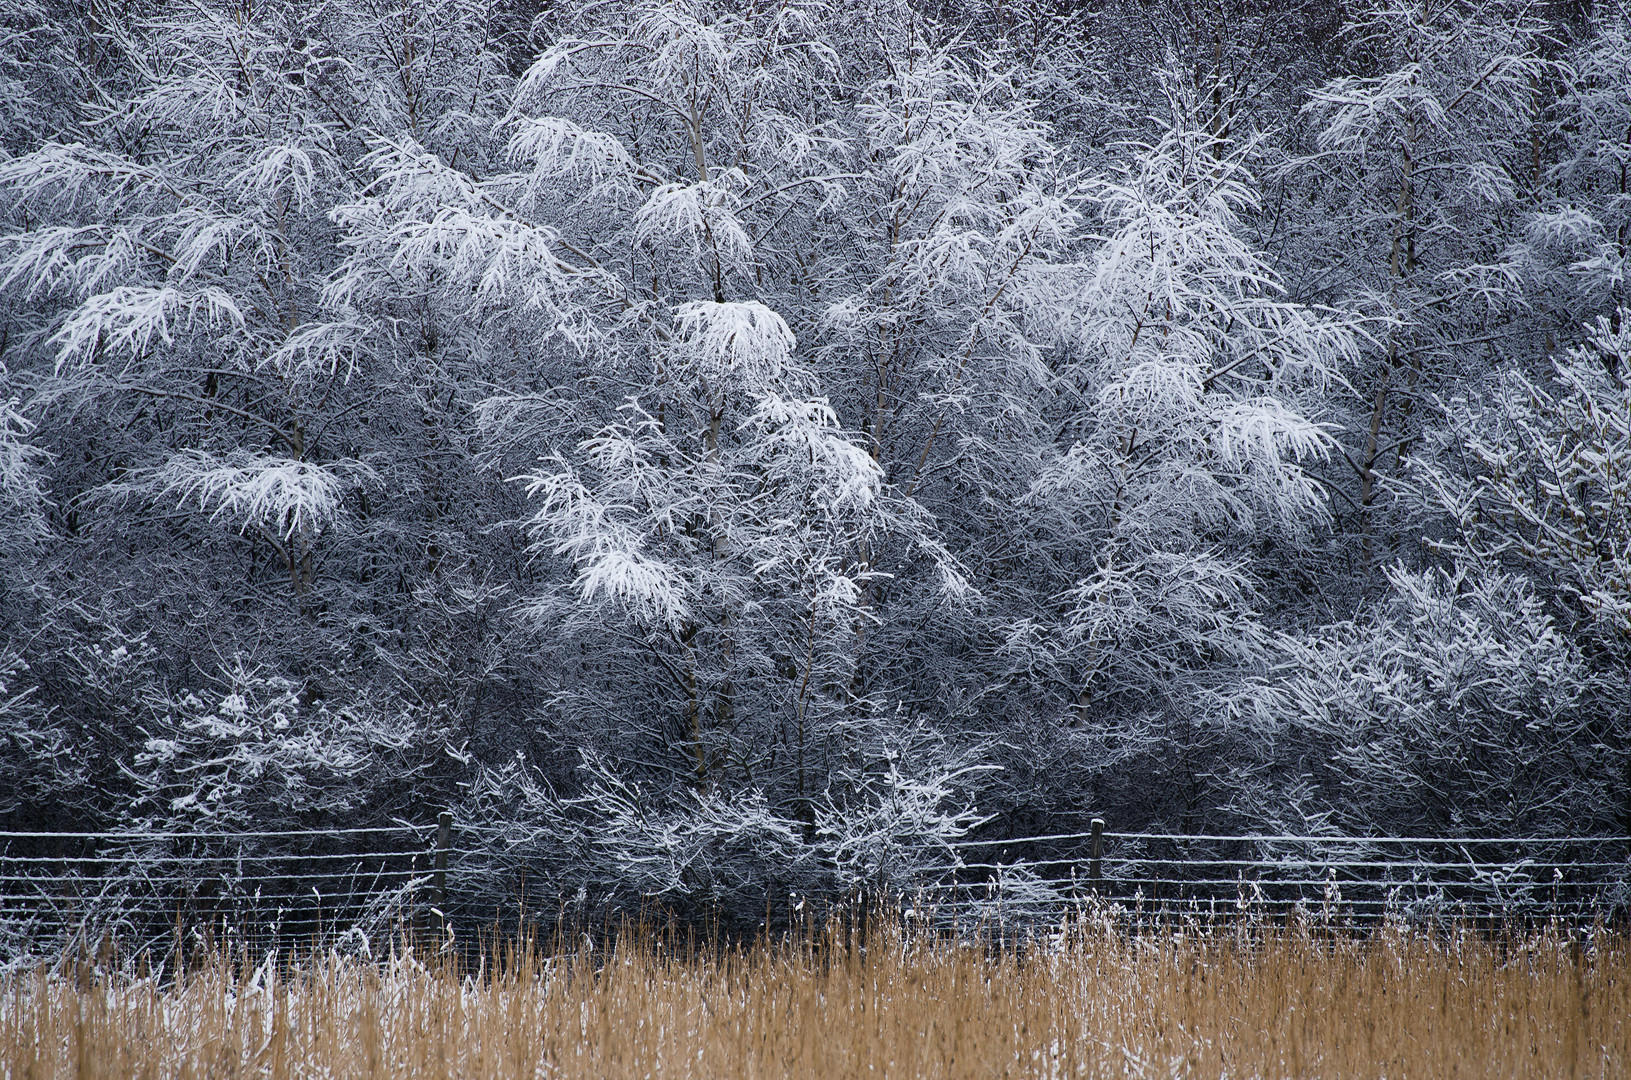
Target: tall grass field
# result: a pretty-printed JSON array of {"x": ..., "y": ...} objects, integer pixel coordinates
[{"x": 1092, "y": 1002}]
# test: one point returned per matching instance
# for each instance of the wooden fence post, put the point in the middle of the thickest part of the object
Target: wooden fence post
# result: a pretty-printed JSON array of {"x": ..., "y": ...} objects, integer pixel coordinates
[
  {"x": 1096, "y": 853},
  {"x": 444, "y": 832}
]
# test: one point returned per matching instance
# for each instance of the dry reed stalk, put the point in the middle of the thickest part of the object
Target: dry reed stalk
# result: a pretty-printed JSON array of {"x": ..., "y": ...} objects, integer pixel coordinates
[{"x": 1222, "y": 1003}]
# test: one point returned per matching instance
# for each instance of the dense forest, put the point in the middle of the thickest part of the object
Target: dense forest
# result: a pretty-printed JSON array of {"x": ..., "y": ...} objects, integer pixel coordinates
[{"x": 726, "y": 446}]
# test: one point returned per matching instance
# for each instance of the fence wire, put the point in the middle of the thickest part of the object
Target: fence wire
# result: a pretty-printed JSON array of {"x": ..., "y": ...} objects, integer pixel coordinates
[
  {"x": 1344, "y": 878},
  {"x": 281, "y": 888}
]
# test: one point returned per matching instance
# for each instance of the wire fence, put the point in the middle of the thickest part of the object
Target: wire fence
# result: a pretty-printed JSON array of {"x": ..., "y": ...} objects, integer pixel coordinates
[
  {"x": 1332, "y": 878},
  {"x": 354, "y": 887},
  {"x": 258, "y": 889}
]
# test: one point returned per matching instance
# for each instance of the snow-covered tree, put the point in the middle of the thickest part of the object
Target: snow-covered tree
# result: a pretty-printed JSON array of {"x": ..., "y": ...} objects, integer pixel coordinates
[
  {"x": 708, "y": 531},
  {"x": 251, "y": 756},
  {"x": 1542, "y": 479},
  {"x": 884, "y": 824},
  {"x": 736, "y": 550},
  {"x": 1187, "y": 399},
  {"x": 234, "y": 791},
  {"x": 1577, "y": 240},
  {"x": 1419, "y": 181}
]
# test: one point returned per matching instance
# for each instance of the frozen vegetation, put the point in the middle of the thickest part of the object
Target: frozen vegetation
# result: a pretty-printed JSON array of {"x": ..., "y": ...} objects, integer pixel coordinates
[{"x": 728, "y": 452}]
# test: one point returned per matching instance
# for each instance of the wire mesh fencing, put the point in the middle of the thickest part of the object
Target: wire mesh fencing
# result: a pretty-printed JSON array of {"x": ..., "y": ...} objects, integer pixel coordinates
[{"x": 440, "y": 881}]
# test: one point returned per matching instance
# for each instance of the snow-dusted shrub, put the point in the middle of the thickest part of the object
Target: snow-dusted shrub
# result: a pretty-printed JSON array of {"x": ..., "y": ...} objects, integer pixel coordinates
[
  {"x": 881, "y": 825},
  {"x": 1458, "y": 707},
  {"x": 249, "y": 755},
  {"x": 244, "y": 799}
]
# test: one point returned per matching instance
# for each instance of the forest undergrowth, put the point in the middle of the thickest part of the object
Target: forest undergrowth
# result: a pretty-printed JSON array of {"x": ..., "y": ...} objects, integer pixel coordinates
[{"x": 1232, "y": 1001}]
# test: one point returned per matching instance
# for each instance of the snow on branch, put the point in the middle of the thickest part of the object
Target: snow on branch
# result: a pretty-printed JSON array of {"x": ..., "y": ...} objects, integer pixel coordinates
[
  {"x": 805, "y": 439},
  {"x": 597, "y": 534},
  {"x": 745, "y": 341},
  {"x": 277, "y": 493},
  {"x": 555, "y": 146},
  {"x": 700, "y": 216},
  {"x": 129, "y": 318}
]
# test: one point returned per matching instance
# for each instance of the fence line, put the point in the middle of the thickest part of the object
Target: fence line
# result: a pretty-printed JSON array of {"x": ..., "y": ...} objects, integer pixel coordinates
[
  {"x": 235, "y": 878},
  {"x": 257, "y": 885},
  {"x": 1276, "y": 864},
  {"x": 1307, "y": 882},
  {"x": 1289, "y": 839},
  {"x": 1367, "y": 877},
  {"x": 166, "y": 857},
  {"x": 136, "y": 834}
]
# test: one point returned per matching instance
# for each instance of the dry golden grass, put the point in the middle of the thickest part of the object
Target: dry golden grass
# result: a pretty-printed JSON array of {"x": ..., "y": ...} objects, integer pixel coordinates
[{"x": 1094, "y": 1004}]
